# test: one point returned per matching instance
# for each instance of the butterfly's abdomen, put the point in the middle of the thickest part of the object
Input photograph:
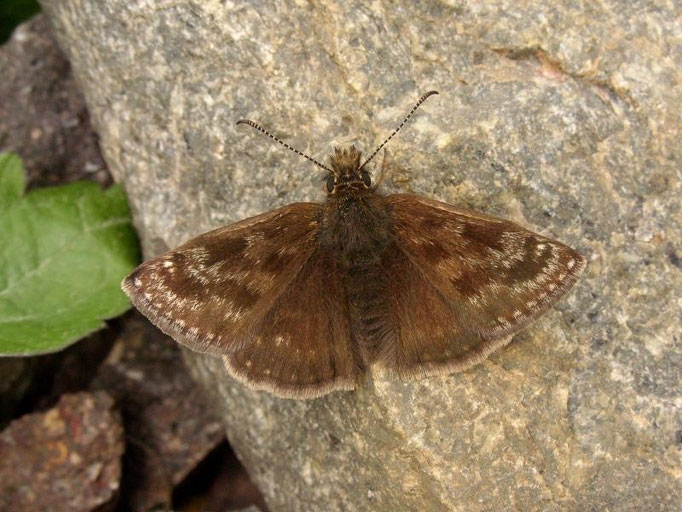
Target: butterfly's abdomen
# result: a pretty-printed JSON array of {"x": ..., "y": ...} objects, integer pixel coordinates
[{"x": 368, "y": 305}]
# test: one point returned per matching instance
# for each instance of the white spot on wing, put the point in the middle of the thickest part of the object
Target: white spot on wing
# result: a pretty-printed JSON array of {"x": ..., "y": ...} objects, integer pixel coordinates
[{"x": 503, "y": 321}]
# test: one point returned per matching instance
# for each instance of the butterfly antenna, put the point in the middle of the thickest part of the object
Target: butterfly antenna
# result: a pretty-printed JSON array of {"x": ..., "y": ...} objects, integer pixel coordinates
[
  {"x": 421, "y": 100},
  {"x": 276, "y": 139}
]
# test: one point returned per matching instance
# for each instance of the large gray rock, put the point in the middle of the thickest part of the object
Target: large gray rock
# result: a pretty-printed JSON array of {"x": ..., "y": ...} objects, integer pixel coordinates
[{"x": 566, "y": 119}]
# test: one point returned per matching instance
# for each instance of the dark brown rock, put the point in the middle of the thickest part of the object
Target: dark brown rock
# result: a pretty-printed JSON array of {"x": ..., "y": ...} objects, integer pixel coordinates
[
  {"x": 170, "y": 426},
  {"x": 43, "y": 116},
  {"x": 65, "y": 459}
]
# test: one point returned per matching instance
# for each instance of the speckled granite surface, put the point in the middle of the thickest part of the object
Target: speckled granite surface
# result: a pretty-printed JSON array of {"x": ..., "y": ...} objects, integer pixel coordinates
[{"x": 564, "y": 117}]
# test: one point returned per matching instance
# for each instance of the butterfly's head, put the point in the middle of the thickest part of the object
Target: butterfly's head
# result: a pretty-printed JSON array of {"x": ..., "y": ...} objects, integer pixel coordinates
[{"x": 346, "y": 172}]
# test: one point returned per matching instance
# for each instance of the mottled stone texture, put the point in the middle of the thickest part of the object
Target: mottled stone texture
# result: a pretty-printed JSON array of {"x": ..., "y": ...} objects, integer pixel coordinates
[
  {"x": 563, "y": 116},
  {"x": 67, "y": 458}
]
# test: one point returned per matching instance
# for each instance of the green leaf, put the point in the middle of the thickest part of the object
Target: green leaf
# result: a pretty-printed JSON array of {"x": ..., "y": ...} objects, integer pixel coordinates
[
  {"x": 63, "y": 253},
  {"x": 12, "y": 179}
]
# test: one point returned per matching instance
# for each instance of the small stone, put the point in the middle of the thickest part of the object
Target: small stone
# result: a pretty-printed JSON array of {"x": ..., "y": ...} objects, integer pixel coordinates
[{"x": 67, "y": 458}]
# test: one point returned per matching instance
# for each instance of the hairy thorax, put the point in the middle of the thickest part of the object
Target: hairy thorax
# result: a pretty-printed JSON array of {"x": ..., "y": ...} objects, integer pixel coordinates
[{"x": 356, "y": 227}]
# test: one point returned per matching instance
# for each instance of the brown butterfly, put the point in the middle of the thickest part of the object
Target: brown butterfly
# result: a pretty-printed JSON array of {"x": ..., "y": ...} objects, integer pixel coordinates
[{"x": 301, "y": 300}]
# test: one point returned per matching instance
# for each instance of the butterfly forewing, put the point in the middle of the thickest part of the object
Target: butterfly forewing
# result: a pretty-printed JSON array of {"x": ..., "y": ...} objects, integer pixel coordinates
[
  {"x": 495, "y": 275},
  {"x": 215, "y": 287}
]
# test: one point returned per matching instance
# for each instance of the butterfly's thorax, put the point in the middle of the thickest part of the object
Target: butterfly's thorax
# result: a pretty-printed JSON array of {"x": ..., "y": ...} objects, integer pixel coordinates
[{"x": 356, "y": 227}]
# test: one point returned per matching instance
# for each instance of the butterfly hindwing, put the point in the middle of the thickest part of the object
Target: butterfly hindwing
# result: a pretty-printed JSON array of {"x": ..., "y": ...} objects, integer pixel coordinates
[
  {"x": 221, "y": 283},
  {"x": 302, "y": 347},
  {"x": 427, "y": 333},
  {"x": 478, "y": 278}
]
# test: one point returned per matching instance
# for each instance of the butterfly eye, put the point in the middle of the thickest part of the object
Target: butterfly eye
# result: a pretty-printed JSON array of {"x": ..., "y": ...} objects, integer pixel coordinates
[
  {"x": 330, "y": 183},
  {"x": 366, "y": 179}
]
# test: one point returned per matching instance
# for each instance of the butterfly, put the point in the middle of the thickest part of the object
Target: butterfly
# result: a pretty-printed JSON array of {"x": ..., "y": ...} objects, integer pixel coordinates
[{"x": 302, "y": 300}]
